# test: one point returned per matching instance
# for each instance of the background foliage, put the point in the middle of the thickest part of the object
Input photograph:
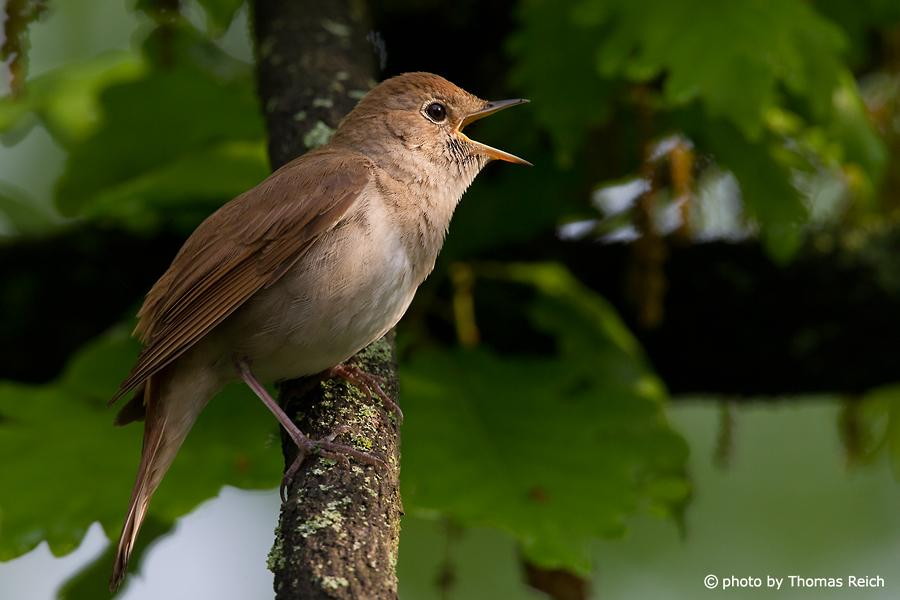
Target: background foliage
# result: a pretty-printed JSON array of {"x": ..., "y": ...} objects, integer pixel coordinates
[{"x": 769, "y": 121}]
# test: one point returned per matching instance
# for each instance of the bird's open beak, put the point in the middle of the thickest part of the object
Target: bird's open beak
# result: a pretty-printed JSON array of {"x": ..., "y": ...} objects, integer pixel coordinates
[{"x": 489, "y": 109}]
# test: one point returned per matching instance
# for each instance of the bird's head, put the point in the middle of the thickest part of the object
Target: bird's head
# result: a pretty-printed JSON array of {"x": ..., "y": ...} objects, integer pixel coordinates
[{"x": 422, "y": 116}]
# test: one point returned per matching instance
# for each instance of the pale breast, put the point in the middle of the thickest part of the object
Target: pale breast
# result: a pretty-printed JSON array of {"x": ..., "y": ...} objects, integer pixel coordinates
[{"x": 352, "y": 286}]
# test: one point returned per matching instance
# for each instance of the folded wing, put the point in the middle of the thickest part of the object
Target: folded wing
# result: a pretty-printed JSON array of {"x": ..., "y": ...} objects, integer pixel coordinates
[{"x": 243, "y": 247}]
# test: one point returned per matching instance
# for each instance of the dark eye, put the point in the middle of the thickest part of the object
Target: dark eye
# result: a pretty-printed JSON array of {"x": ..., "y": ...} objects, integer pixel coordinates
[{"x": 436, "y": 111}]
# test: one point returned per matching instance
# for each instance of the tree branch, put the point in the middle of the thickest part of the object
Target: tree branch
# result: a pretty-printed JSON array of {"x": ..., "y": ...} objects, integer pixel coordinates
[
  {"x": 338, "y": 532},
  {"x": 734, "y": 323}
]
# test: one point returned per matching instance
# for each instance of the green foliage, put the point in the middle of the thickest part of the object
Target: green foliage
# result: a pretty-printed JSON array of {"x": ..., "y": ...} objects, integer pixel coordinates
[
  {"x": 766, "y": 189},
  {"x": 568, "y": 97},
  {"x": 556, "y": 450},
  {"x": 65, "y": 100},
  {"x": 152, "y": 152},
  {"x": 138, "y": 152},
  {"x": 736, "y": 59},
  {"x": 858, "y": 19},
  {"x": 92, "y": 581},
  {"x": 220, "y": 13},
  {"x": 23, "y": 216},
  {"x": 876, "y": 421},
  {"x": 68, "y": 467},
  {"x": 565, "y": 447},
  {"x": 727, "y": 74}
]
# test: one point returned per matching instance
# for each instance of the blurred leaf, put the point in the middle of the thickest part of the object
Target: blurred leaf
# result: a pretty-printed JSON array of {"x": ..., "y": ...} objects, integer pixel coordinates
[
  {"x": 23, "y": 214},
  {"x": 568, "y": 98},
  {"x": 189, "y": 131},
  {"x": 766, "y": 188},
  {"x": 13, "y": 117},
  {"x": 735, "y": 62},
  {"x": 878, "y": 420},
  {"x": 92, "y": 580},
  {"x": 555, "y": 451},
  {"x": 203, "y": 179},
  {"x": 743, "y": 70},
  {"x": 220, "y": 13},
  {"x": 72, "y": 467},
  {"x": 852, "y": 129},
  {"x": 859, "y": 19},
  {"x": 65, "y": 100},
  {"x": 735, "y": 59}
]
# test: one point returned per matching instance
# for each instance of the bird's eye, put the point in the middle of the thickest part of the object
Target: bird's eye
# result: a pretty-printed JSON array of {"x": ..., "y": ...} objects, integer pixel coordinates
[{"x": 436, "y": 111}]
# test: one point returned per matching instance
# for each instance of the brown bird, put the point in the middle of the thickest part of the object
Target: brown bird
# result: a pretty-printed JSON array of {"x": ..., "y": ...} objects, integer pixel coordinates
[{"x": 298, "y": 274}]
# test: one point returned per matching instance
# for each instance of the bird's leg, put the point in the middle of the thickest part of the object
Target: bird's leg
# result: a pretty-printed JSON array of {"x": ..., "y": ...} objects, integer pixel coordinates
[
  {"x": 370, "y": 384},
  {"x": 305, "y": 446}
]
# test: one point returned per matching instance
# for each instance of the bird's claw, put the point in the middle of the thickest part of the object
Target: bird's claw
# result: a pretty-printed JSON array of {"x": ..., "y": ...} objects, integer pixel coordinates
[
  {"x": 328, "y": 448},
  {"x": 369, "y": 383}
]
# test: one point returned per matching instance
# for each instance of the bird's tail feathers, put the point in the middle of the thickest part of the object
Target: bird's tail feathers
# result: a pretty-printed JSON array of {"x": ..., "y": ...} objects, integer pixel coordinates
[{"x": 160, "y": 446}]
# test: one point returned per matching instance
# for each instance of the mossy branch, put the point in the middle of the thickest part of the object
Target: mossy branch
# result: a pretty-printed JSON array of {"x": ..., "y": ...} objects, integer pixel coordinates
[{"x": 339, "y": 529}]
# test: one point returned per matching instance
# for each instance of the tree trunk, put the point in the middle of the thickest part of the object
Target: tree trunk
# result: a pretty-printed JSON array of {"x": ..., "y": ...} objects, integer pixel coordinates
[{"x": 339, "y": 529}]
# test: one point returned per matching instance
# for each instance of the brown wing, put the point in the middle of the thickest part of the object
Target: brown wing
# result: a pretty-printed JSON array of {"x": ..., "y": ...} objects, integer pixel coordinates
[{"x": 244, "y": 246}]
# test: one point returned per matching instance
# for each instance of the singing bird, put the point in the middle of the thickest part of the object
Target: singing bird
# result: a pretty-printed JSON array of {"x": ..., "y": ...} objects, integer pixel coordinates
[{"x": 298, "y": 274}]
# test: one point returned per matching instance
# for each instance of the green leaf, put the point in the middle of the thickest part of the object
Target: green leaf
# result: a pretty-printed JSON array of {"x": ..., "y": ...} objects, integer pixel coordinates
[
  {"x": 14, "y": 122},
  {"x": 92, "y": 580},
  {"x": 187, "y": 130},
  {"x": 858, "y": 20},
  {"x": 220, "y": 14},
  {"x": 556, "y": 450},
  {"x": 734, "y": 62},
  {"x": 183, "y": 190},
  {"x": 767, "y": 191},
  {"x": 23, "y": 214},
  {"x": 878, "y": 416},
  {"x": 744, "y": 72},
  {"x": 852, "y": 129},
  {"x": 66, "y": 99},
  {"x": 568, "y": 98},
  {"x": 69, "y": 467}
]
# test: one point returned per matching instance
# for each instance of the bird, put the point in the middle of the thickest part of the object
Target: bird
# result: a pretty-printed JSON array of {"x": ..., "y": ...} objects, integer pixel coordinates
[{"x": 299, "y": 273}]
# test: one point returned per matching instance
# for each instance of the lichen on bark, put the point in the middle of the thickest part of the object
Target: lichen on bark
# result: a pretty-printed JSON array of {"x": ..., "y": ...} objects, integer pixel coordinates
[{"x": 339, "y": 529}]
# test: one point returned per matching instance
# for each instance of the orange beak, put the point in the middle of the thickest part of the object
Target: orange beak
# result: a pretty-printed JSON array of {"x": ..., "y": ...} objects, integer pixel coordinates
[{"x": 489, "y": 151}]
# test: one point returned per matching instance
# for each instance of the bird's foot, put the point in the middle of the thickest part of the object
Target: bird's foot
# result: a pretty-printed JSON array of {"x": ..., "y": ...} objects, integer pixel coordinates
[
  {"x": 368, "y": 383},
  {"x": 326, "y": 447}
]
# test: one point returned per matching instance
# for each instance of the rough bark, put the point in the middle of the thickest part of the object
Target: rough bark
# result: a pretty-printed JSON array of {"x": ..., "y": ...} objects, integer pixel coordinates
[
  {"x": 338, "y": 531},
  {"x": 314, "y": 63}
]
